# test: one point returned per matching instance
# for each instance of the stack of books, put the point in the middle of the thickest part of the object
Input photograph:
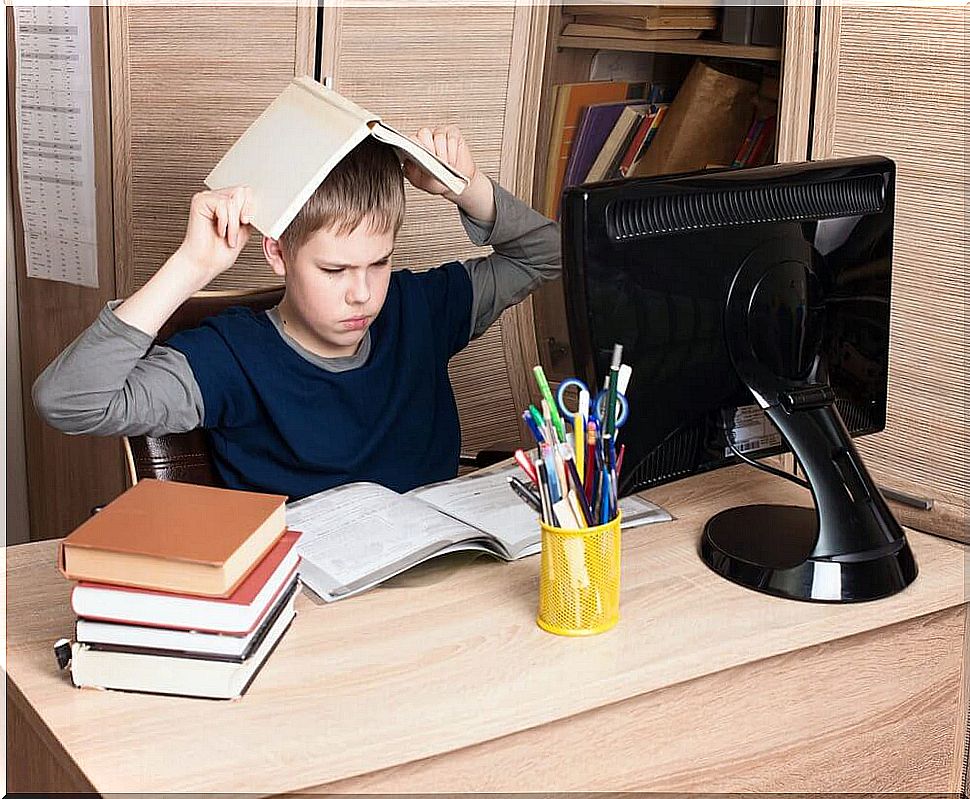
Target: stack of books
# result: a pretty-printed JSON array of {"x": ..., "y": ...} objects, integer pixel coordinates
[
  {"x": 182, "y": 589},
  {"x": 600, "y": 131},
  {"x": 620, "y": 21}
]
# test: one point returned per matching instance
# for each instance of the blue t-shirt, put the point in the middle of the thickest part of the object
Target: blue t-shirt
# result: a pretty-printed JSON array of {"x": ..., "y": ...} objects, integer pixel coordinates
[{"x": 282, "y": 424}]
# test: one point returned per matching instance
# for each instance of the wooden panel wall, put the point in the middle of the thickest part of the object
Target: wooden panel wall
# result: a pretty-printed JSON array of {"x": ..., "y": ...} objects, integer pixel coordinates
[
  {"x": 66, "y": 476},
  {"x": 185, "y": 83},
  {"x": 893, "y": 81},
  {"x": 472, "y": 66}
]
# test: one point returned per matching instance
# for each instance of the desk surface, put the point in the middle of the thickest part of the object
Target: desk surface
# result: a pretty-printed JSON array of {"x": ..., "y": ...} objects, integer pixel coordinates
[{"x": 444, "y": 660}]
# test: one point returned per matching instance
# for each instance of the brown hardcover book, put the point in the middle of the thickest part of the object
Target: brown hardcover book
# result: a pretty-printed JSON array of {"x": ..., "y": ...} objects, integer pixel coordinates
[{"x": 175, "y": 537}]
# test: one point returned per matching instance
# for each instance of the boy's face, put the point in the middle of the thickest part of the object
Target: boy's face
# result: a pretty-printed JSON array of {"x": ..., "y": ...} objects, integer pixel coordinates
[{"x": 335, "y": 287}]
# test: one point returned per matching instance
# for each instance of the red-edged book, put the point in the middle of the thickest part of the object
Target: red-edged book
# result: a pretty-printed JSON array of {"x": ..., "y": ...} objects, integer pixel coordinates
[{"x": 237, "y": 614}]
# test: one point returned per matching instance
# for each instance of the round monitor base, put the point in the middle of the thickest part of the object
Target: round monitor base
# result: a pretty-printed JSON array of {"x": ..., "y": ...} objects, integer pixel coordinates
[{"x": 768, "y": 548}]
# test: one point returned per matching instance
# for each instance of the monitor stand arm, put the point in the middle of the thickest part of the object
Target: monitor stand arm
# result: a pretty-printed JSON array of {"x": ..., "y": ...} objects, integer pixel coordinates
[{"x": 849, "y": 548}]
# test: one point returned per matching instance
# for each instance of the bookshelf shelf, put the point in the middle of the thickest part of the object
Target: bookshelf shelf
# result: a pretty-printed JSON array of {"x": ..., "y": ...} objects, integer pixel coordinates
[{"x": 676, "y": 46}]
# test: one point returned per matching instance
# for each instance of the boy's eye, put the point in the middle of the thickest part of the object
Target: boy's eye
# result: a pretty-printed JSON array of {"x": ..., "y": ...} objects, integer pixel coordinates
[{"x": 331, "y": 270}]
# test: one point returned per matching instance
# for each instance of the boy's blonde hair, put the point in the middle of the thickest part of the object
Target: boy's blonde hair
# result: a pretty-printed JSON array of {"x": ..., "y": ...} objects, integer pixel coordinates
[{"x": 367, "y": 186}]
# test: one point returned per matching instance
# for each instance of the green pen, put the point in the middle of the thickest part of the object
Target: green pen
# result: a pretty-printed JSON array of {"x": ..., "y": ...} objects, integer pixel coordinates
[
  {"x": 547, "y": 396},
  {"x": 536, "y": 416}
]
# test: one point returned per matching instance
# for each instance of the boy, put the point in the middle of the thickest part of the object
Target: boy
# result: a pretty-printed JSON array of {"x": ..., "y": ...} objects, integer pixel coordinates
[{"x": 347, "y": 378}]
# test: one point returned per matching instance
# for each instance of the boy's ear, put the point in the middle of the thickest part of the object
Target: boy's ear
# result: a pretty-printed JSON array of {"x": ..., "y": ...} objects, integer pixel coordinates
[{"x": 274, "y": 255}]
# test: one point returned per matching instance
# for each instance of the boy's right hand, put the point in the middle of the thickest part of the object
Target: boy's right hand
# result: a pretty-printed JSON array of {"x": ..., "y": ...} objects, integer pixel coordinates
[{"x": 218, "y": 228}]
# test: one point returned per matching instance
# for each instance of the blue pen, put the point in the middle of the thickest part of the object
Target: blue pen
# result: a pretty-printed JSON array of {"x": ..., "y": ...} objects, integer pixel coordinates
[
  {"x": 549, "y": 460},
  {"x": 533, "y": 428},
  {"x": 605, "y": 515}
]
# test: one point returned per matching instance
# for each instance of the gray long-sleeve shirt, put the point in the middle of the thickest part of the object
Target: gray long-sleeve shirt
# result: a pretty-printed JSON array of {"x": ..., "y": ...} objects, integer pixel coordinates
[{"x": 114, "y": 380}]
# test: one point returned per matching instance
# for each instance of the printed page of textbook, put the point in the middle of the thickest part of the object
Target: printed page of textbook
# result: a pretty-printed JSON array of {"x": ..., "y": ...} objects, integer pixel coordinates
[
  {"x": 484, "y": 500},
  {"x": 357, "y": 535}
]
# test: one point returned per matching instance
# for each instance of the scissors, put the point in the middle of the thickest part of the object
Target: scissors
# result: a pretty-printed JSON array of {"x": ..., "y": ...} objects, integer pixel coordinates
[{"x": 597, "y": 410}]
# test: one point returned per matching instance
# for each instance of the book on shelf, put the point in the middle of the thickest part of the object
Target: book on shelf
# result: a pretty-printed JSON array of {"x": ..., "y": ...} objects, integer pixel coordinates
[
  {"x": 615, "y": 32},
  {"x": 744, "y": 151},
  {"x": 654, "y": 13},
  {"x": 235, "y": 615},
  {"x": 763, "y": 147},
  {"x": 703, "y": 19},
  {"x": 358, "y": 535},
  {"x": 109, "y": 636},
  {"x": 199, "y": 675},
  {"x": 286, "y": 153},
  {"x": 594, "y": 128},
  {"x": 641, "y": 140},
  {"x": 569, "y": 101},
  {"x": 176, "y": 537},
  {"x": 608, "y": 159}
]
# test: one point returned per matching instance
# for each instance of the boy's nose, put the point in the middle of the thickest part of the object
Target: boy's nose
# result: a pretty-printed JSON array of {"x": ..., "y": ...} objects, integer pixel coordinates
[{"x": 359, "y": 292}]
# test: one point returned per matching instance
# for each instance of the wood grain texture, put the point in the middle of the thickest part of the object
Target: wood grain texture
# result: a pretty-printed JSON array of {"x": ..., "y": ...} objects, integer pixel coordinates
[
  {"x": 185, "y": 84},
  {"x": 961, "y": 737},
  {"x": 51, "y": 315},
  {"x": 549, "y": 304},
  {"x": 893, "y": 81},
  {"x": 817, "y": 720},
  {"x": 469, "y": 66},
  {"x": 36, "y": 763},
  {"x": 419, "y": 668},
  {"x": 795, "y": 97}
]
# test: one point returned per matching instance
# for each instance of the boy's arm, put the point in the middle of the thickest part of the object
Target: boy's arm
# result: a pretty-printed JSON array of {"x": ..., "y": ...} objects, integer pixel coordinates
[
  {"x": 526, "y": 252},
  {"x": 111, "y": 380},
  {"x": 526, "y": 245}
]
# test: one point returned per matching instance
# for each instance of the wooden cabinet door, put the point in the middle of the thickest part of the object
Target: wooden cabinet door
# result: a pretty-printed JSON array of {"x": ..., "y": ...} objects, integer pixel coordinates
[
  {"x": 185, "y": 83},
  {"x": 893, "y": 81},
  {"x": 480, "y": 68}
]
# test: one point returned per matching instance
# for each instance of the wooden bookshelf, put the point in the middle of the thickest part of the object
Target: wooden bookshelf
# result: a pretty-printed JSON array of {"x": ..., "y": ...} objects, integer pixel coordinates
[
  {"x": 569, "y": 59},
  {"x": 701, "y": 47}
]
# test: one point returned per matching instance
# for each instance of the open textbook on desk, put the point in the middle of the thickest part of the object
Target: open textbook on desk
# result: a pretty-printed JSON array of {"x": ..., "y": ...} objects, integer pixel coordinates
[{"x": 358, "y": 535}]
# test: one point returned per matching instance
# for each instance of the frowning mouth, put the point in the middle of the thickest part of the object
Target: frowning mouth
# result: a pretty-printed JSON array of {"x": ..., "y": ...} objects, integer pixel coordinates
[{"x": 355, "y": 323}]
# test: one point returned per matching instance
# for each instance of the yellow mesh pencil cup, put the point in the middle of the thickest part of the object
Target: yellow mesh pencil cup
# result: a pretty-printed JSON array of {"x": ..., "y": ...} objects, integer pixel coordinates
[{"x": 579, "y": 581}]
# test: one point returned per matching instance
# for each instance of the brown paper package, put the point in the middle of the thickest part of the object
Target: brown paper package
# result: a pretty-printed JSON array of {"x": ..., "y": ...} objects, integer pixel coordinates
[{"x": 706, "y": 123}]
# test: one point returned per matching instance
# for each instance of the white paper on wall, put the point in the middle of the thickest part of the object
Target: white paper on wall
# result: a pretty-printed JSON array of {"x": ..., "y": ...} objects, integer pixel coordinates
[{"x": 55, "y": 142}]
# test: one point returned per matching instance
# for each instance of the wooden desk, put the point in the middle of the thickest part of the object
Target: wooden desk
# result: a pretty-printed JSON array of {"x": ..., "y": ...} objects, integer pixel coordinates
[{"x": 442, "y": 682}]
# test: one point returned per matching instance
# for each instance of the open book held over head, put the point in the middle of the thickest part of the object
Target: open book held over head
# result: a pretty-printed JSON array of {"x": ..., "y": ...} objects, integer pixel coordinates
[
  {"x": 358, "y": 535},
  {"x": 295, "y": 143}
]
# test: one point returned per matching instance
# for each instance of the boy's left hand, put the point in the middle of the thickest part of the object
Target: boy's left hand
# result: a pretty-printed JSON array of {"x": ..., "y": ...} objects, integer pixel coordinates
[{"x": 448, "y": 144}]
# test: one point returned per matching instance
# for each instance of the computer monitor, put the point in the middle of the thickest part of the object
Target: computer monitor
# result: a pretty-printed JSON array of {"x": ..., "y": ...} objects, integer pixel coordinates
[{"x": 753, "y": 306}]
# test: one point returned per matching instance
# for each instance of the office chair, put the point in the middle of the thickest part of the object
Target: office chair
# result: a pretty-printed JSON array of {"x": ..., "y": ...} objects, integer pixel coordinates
[{"x": 186, "y": 457}]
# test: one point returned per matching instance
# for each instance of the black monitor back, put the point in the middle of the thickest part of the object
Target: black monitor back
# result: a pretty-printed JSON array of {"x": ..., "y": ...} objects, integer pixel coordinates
[{"x": 649, "y": 263}]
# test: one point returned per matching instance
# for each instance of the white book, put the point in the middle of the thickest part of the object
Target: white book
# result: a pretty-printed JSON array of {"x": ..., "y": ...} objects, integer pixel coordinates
[
  {"x": 358, "y": 535},
  {"x": 295, "y": 143},
  {"x": 238, "y": 614},
  {"x": 109, "y": 635},
  {"x": 181, "y": 676}
]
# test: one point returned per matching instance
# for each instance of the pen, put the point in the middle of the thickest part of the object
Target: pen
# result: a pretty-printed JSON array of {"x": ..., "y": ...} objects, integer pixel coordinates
[
  {"x": 526, "y": 465},
  {"x": 580, "y": 491},
  {"x": 525, "y": 494},
  {"x": 531, "y": 424},
  {"x": 611, "y": 394},
  {"x": 552, "y": 481},
  {"x": 619, "y": 460},
  {"x": 549, "y": 515},
  {"x": 590, "y": 473},
  {"x": 540, "y": 376},
  {"x": 536, "y": 416}
]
